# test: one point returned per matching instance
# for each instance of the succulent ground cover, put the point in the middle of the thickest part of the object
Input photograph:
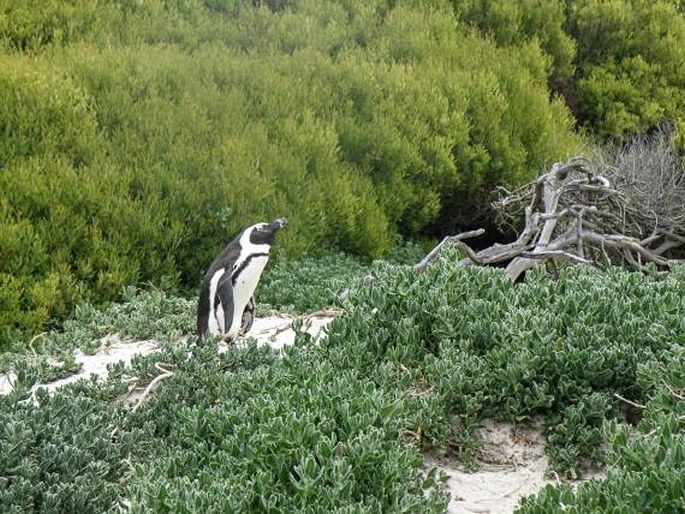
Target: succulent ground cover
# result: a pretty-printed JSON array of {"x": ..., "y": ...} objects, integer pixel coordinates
[{"x": 416, "y": 362}]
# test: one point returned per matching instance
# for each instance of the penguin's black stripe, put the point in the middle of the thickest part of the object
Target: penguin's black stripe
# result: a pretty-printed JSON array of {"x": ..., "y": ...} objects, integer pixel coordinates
[{"x": 244, "y": 264}]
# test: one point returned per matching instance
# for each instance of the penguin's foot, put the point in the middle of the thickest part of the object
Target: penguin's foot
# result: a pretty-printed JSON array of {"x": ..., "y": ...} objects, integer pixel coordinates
[{"x": 229, "y": 339}]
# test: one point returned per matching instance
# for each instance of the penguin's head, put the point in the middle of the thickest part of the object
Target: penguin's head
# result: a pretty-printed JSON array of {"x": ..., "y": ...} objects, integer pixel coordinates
[{"x": 265, "y": 233}]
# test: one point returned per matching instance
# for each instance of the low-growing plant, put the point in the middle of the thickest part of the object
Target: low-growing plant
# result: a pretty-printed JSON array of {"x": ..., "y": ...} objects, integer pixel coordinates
[
  {"x": 317, "y": 281},
  {"x": 416, "y": 362},
  {"x": 646, "y": 464},
  {"x": 485, "y": 348},
  {"x": 307, "y": 284}
]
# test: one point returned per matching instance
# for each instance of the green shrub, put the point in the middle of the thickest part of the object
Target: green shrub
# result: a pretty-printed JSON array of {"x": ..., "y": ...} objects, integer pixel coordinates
[
  {"x": 628, "y": 80},
  {"x": 55, "y": 458},
  {"x": 418, "y": 359},
  {"x": 615, "y": 63},
  {"x": 485, "y": 348},
  {"x": 240, "y": 431},
  {"x": 646, "y": 467},
  {"x": 516, "y": 23},
  {"x": 137, "y": 138}
]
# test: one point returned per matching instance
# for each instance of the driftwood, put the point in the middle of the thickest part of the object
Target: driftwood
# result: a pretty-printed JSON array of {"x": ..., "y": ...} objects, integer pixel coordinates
[{"x": 631, "y": 214}]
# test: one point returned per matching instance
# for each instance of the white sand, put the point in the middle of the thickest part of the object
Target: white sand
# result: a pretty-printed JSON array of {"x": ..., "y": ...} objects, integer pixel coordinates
[
  {"x": 274, "y": 331},
  {"x": 513, "y": 465}
]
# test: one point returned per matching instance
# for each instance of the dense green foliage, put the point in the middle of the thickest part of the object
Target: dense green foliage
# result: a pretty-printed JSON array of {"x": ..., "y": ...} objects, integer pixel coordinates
[
  {"x": 556, "y": 349},
  {"x": 236, "y": 432},
  {"x": 619, "y": 63},
  {"x": 646, "y": 469},
  {"x": 137, "y": 137},
  {"x": 630, "y": 72},
  {"x": 415, "y": 359},
  {"x": 312, "y": 283}
]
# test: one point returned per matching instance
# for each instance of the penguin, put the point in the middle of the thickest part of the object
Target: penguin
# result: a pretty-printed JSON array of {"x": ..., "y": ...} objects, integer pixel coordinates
[{"x": 226, "y": 304}]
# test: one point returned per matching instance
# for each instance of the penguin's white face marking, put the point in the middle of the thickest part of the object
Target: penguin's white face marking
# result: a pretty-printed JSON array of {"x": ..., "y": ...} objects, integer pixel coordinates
[{"x": 248, "y": 248}]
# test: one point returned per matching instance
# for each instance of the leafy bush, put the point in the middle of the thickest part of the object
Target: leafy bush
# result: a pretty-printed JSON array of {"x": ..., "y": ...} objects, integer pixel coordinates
[
  {"x": 516, "y": 23},
  {"x": 418, "y": 359},
  {"x": 628, "y": 81},
  {"x": 295, "y": 436},
  {"x": 615, "y": 63},
  {"x": 314, "y": 282},
  {"x": 238, "y": 431},
  {"x": 646, "y": 468},
  {"x": 136, "y": 138},
  {"x": 57, "y": 458},
  {"x": 485, "y": 348}
]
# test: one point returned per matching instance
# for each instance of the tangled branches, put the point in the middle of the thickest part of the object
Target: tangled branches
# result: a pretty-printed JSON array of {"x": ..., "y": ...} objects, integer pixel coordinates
[{"x": 628, "y": 208}]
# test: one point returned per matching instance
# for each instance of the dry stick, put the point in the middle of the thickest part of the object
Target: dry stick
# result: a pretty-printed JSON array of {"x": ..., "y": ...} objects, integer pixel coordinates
[
  {"x": 671, "y": 235},
  {"x": 553, "y": 254},
  {"x": 165, "y": 374},
  {"x": 629, "y": 402},
  {"x": 547, "y": 185},
  {"x": 433, "y": 254},
  {"x": 280, "y": 330},
  {"x": 497, "y": 253},
  {"x": 649, "y": 240},
  {"x": 323, "y": 313},
  {"x": 621, "y": 242},
  {"x": 306, "y": 320},
  {"x": 631, "y": 260},
  {"x": 132, "y": 386},
  {"x": 666, "y": 245},
  {"x": 617, "y": 242},
  {"x": 673, "y": 391}
]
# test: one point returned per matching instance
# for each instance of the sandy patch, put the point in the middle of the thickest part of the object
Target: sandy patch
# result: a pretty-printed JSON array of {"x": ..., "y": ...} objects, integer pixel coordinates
[
  {"x": 275, "y": 331},
  {"x": 512, "y": 465}
]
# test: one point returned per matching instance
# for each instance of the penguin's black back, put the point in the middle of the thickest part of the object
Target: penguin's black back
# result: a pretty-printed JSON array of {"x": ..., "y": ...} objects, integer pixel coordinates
[{"x": 225, "y": 261}]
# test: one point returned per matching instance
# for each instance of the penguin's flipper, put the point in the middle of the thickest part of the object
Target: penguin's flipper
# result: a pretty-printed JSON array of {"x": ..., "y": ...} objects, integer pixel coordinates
[
  {"x": 224, "y": 293},
  {"x": 204, "y": 309},
  {"x": 248, "y": 316}
]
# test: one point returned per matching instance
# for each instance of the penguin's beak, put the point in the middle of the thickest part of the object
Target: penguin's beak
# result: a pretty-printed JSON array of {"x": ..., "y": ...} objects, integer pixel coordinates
[{"x": 278, "y": 224}]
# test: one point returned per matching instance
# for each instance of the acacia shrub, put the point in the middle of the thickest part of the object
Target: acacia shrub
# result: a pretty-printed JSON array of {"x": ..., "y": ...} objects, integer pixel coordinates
[
  {"x": 155, "y": 131},
  {"x": 629, "y": 77},
  {"x": 523, "y": 22},
  {"x": 615, "y": 63}
]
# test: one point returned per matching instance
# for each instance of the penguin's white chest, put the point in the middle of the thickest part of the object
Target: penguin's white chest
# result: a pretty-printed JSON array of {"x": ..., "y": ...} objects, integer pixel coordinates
[{"x": 244, "y": 287}]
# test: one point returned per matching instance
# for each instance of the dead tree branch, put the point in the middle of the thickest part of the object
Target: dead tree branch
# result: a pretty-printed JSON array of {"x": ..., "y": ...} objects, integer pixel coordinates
[
  {"x": 627, "y": 208},
  {"x": 428, "y": 259}
]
